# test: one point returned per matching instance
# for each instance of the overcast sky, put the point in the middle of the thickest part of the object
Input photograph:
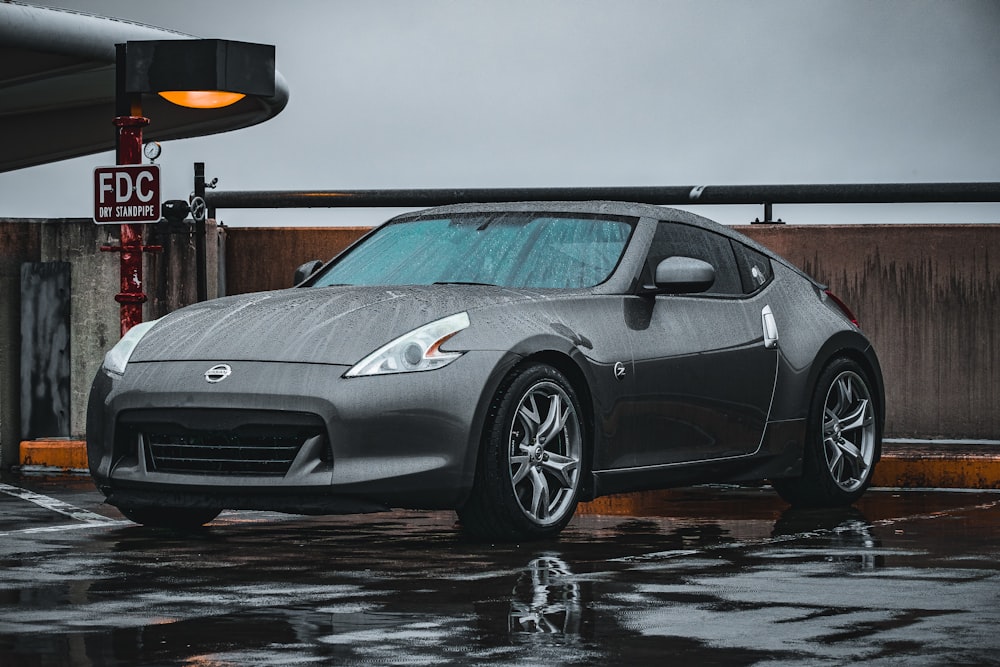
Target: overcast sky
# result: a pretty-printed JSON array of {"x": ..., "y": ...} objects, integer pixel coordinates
[{"x": 583, "y": 93}]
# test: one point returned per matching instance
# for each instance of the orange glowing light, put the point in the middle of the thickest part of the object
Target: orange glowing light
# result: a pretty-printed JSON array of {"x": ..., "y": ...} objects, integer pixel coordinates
[{"x": 202, "y": 99}]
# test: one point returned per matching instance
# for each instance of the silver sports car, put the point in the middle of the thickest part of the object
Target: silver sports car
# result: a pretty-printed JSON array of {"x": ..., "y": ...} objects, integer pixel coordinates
[{"x": 505, "y": 360}]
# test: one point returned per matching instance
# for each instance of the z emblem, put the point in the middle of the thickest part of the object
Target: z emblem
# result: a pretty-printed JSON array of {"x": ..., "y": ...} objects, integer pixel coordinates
[
  {"x": 218, "y": 373},
  {"x": 619, "y": 370}
]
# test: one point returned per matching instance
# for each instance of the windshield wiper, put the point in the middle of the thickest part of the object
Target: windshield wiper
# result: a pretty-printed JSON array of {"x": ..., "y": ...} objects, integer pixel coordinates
[{"x": 462, "y": 282}]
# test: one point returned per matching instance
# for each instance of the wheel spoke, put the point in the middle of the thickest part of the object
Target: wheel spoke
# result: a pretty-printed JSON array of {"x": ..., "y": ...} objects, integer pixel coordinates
[
  {"x": 834, "y": 454},
  {"x": 856, "y": 418},
  {"x": 520, "y": 465},
  {"x": 845, "y": 393},
  {"x": 838, "y": 469},
  {"x": 555, "y": 420},
  {"x": 531, "y": 418},
  {"x": 849, "y": 449},
  {"x": 563, "y": 468},
  {"x": 858, "y": 468},
  {"x": 830, "y": 422},
  {"x": 539, "y": 494}
]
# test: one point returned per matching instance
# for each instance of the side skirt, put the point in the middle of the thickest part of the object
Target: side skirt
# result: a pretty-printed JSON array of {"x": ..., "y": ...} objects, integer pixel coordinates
[{"x": 780, "y": 456}]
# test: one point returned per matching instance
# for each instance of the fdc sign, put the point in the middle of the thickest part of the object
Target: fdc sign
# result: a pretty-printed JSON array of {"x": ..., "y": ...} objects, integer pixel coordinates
[{"x": 127, "y": 193}]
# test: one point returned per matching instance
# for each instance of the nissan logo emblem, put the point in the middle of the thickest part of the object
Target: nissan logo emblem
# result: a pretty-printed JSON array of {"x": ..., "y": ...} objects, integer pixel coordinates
[{"x": 218, "y": 373}]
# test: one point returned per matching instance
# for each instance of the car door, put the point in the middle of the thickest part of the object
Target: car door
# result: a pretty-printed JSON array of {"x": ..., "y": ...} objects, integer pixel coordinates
[{"x": 704, "y": 367}]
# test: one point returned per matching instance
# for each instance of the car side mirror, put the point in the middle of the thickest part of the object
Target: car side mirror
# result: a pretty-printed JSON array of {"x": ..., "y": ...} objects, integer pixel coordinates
[
  {"x": 306, "y": 270},
  {"x": 683, "y": 275}
]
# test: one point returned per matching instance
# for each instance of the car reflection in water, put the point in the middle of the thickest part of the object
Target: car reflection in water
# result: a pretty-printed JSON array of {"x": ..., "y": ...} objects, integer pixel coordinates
[
  {"x": 657, "y": 582},
  {"x": 549, "y": 598},
  {"x": 546, "y": 598},
  {"x": 847, "y": 532}
]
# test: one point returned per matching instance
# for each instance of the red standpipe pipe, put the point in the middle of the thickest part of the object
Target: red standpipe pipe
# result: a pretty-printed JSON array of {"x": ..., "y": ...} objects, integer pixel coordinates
[{"x": 131, "y": 248}]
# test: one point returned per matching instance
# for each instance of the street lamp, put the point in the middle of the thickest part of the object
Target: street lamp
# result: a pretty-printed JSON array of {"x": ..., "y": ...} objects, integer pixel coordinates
[{"x": 198, "y": 73}]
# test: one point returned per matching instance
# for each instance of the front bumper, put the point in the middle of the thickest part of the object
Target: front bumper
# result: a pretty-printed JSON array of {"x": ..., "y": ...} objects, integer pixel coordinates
[{"x": 289, "y": 436}]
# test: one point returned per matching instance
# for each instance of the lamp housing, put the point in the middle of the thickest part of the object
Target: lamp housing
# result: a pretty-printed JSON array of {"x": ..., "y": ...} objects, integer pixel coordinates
[{"x": 200, "y": 65}]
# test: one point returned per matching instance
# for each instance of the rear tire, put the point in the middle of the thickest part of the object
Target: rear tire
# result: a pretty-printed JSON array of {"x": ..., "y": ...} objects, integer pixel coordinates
[
  {"x": 531, "y": 459},
  {"x": 170, "y": 517},
  {"x": 843, "y": 440}
]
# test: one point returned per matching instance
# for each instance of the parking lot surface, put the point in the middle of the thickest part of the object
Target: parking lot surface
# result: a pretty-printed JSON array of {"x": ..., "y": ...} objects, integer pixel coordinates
[{"x": 710, "y": 575}]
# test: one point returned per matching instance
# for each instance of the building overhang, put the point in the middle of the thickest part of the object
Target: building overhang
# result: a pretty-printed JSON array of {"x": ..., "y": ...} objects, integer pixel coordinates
[{"x": 57, "y": 88}]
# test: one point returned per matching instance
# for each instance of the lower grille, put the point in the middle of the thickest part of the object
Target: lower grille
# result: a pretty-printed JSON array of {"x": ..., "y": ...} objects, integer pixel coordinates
[
  {"x": 223, "y": 453},
  {"x": 223, "y": 442}
]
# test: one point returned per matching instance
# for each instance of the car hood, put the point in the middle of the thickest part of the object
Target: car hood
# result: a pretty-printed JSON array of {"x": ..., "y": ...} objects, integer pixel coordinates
[{"x": 333, "y": 325}]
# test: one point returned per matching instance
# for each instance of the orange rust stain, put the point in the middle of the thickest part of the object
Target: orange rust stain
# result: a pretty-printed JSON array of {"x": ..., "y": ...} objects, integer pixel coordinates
[
  {"x": 628, "y": 504},
  {"x": 946, "y": 473},
  {"x": 956, "y": 472}
]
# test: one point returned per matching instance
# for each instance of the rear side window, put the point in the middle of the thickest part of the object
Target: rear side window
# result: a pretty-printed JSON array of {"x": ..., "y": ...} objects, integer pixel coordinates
[
  {"x": 755, "y": 268},
  {"x": 677, "y": 240}
]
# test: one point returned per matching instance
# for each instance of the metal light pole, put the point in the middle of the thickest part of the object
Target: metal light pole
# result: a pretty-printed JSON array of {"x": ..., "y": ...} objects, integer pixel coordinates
[{"x": 129, "y": 122}]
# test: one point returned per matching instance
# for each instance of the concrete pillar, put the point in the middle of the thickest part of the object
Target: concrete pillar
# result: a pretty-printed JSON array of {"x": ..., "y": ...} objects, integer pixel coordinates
[{"x": 94, "y": 314}]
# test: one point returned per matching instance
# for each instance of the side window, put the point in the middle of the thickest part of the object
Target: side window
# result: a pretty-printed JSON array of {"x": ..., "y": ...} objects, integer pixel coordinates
[
  {"x": 755, "y": 268},
  {"x": 676, "y": 240}
]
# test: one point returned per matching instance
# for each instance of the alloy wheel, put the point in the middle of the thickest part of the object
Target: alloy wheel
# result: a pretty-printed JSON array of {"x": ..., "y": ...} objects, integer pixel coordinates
[
  {"x": 544, "y": 453},
  {"x": 849, "y": 431}
]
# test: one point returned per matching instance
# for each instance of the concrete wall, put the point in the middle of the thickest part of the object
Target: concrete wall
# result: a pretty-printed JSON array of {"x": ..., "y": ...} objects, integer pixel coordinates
[
  {"x": 171, "y": 276},
  {"x": 925, "y": 294},
  {"x": 94, "y": 315},
  {"x": 94, "y": 281}
]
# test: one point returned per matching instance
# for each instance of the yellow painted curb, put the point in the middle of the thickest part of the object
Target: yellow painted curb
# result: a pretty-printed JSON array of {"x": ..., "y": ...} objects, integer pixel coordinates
[
  {"x": 937, "y": 471},
  {"x": 897, "y": 469},
  {"x": 62, "y": 454}
]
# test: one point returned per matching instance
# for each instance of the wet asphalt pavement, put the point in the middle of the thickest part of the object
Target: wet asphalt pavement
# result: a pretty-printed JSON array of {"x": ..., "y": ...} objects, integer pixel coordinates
[{"x": 705, "y": 576}]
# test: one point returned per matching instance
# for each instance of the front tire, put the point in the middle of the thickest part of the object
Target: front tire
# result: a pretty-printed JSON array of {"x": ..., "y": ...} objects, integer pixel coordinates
[
  {"x": 531, "y": 462},
  {"x": 843, "y": 440},
  {"x": 170, "y": 517}
]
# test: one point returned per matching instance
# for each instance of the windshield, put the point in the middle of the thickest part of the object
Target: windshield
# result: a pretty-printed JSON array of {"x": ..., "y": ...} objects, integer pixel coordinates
[{"x": 511, "y": 250}]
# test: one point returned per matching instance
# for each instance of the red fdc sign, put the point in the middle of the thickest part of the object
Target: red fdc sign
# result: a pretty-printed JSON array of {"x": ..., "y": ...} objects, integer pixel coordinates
[{"x": 127, "y": 193}]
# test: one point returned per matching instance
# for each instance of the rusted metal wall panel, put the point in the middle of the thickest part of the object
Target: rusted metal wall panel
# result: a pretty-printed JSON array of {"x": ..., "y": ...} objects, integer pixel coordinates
[
  {"x": 263, "y": 258},
  {"x": 927, "y": 295}
]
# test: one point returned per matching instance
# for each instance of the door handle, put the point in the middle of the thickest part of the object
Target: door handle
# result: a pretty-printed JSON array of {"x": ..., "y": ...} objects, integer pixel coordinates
[{"x": 770, "y": 328}]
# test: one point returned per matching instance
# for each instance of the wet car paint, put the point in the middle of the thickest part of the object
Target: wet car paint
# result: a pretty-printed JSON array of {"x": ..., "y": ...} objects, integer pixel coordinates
[
  {"x": 677, "y": 413},
  {"x": 706, "y": 576}
]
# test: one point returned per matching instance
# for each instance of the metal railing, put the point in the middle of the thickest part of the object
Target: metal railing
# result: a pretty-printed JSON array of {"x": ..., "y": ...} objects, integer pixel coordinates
[{"x": 764, "y": 195}]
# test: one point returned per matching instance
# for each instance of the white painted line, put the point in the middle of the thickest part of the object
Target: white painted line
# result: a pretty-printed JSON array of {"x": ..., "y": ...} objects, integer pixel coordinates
[
  {"x": 63, "y": 528},
  {"x": 50, "y": 470},
  {"x": 54, "y": 505}
]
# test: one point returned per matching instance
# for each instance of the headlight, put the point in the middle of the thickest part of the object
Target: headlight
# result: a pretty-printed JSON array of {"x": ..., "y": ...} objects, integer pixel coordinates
[
  {"x": 418, "y": 350},
  {"x": 117, "y": 357}
]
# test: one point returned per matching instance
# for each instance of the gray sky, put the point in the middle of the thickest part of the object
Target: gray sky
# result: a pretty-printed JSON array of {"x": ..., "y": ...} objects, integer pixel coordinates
[{"x": 535, "y": 93}]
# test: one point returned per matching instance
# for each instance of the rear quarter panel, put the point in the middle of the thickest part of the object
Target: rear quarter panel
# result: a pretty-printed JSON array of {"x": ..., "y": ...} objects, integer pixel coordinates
[{"x": 812, "y": 331}]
